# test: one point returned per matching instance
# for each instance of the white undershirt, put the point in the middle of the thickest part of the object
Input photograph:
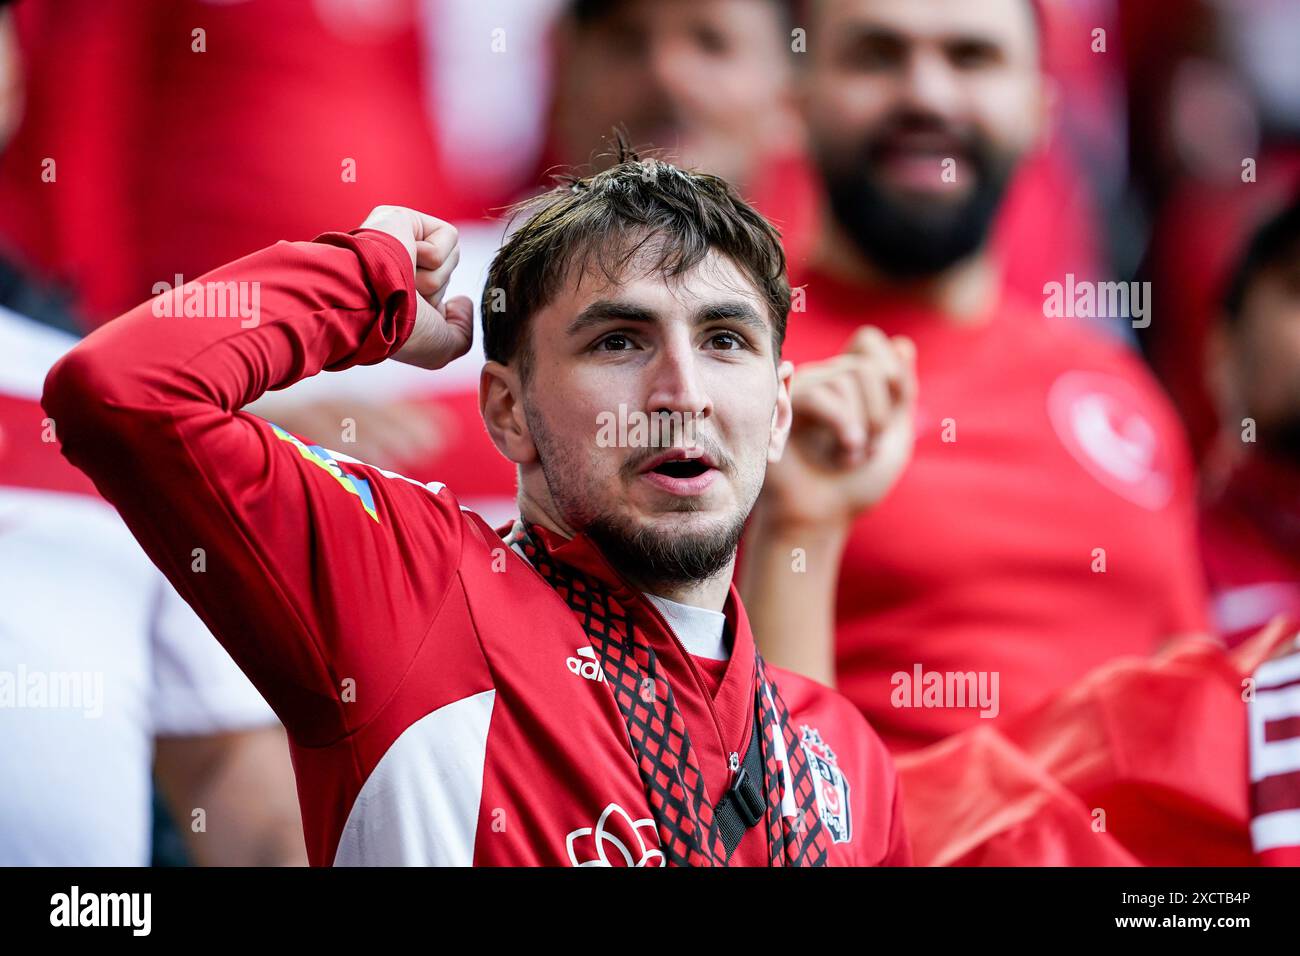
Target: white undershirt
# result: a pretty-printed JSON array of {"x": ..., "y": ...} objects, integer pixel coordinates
[{"x": 701, "y": 631}]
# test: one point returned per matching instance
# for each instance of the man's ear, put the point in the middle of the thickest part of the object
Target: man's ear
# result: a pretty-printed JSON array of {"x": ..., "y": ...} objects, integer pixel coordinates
[
  {"x": 500, "y": 402},
  {"x": 782, "y": 413}
]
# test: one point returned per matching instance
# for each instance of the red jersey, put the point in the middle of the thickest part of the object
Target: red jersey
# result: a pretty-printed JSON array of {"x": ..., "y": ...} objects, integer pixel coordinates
[
  {"x": 1044, "y": 525},
  {"x": 434, "y": 685},
  {"x": 1250, "y": 544}
]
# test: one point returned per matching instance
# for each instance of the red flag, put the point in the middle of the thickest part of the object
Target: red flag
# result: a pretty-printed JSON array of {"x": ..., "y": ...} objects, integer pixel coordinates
[{"x": 1143, "y": 762}]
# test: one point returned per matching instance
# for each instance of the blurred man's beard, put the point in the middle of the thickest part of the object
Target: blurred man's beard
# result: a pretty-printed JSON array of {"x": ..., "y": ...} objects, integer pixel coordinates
[
  {"x": 652, "y": 557},
  {"x": 913, "y": 239}
]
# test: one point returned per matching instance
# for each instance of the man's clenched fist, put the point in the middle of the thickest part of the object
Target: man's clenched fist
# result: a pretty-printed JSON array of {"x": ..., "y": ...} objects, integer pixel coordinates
[
  {"x": 851, "y": 436},
  {"x": 444, "y": 330}
]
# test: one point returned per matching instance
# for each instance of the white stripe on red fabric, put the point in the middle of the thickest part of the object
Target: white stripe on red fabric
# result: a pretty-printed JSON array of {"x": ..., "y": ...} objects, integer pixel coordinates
[{"x": 420, "y": 805}]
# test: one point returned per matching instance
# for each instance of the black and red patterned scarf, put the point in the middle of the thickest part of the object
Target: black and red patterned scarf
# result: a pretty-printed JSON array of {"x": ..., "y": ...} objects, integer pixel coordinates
[{"x": 667, "y": 763}]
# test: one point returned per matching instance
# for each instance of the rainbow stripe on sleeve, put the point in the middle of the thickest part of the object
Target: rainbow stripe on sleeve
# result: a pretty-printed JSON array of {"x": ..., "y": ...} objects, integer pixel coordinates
[{"x": 324, "y": 459}]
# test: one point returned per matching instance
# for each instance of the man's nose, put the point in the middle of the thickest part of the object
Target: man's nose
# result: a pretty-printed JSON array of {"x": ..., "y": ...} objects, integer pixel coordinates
[
  {"x": 929, "y": 84},
  {"x": 677, "y": 384},
  {"x": 672, "y": 68}
]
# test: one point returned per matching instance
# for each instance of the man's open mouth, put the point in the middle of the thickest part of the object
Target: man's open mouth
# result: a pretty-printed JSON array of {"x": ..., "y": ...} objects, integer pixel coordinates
[
  {"x": 681, "y": 473},
  {"x": 682, "y": 468}
]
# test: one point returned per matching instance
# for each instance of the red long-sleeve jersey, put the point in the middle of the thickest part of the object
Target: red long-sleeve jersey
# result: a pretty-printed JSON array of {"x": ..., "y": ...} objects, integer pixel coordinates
[{"x": 424, "y": 670}]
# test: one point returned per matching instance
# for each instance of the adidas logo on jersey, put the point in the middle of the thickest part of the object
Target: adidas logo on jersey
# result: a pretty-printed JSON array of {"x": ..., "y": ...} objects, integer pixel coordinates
[{"x": 586, "y": 665}]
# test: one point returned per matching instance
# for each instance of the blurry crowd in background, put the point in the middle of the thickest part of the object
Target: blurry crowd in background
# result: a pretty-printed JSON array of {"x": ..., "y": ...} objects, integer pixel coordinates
[{"x": 1097, "y": 475}]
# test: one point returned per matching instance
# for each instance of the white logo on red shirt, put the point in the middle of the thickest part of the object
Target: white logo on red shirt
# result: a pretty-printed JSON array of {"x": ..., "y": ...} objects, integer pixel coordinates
[
  {"x": 1098, "y": 418},
  {"x": 616, "y": 832},
  {"x": 586, "y": 665}
]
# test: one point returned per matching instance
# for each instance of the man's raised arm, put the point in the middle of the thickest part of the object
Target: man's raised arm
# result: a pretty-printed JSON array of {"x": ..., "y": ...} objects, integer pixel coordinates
[{"x": 289, "y": 554}]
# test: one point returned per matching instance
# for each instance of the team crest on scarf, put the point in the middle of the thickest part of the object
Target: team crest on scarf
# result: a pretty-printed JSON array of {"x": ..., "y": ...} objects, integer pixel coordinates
[{"x": 831, "y": 787}]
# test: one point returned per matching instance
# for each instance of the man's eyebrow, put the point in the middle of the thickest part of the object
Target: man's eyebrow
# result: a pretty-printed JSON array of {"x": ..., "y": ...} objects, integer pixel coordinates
[
  {"x": 872, "y": 32},
  {"x": 606, "y": 310},
  {"x": 736, "y": 310}
]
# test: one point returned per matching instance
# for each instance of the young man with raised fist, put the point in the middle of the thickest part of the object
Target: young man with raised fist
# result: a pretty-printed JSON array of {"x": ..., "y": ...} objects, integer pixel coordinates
[{"x": 578, "y": 688}]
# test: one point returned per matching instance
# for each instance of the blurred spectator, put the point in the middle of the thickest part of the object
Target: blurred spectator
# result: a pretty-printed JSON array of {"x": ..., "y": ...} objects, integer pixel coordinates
[
  {"x": 1046, "y": 524},
  {"x": 705, "y": 81},
  {"x": 708, "y": 81},
  {"x": 1214, "y": 129},
  {"x": 1203, "y": 226},
  {"x": 1251, "y": 522},
  {"x": 105, "y": 673}
]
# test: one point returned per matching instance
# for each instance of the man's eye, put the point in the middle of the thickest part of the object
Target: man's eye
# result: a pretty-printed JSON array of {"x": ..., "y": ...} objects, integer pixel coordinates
[
  {"x": 873, "y": 54},
  {"x": 730, "y": 341},
  {"x": 973, "y": 56},
  {"x": 614, "y": 343},
  {"x": 711, "y": 40}
]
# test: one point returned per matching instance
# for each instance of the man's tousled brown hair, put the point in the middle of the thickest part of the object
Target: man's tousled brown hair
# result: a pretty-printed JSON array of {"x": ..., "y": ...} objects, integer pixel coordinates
[{"x": 601, "y": 223}]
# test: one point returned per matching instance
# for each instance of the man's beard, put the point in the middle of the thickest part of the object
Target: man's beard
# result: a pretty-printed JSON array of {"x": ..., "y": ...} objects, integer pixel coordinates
[
  {"x": 654, "y": 558},
  {"x": 651, "y": 557},
  {"x": 911, "y": 239}
]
